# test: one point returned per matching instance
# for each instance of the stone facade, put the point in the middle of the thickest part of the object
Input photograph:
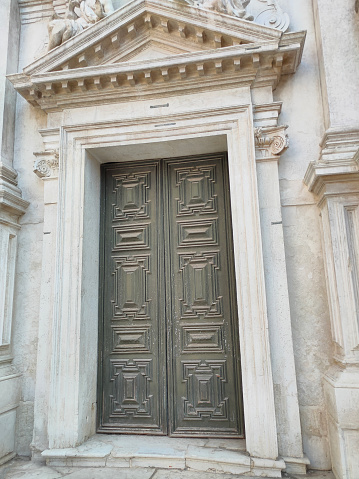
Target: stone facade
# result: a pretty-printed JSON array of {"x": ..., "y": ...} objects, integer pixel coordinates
[{"x": 273, "y": 83}]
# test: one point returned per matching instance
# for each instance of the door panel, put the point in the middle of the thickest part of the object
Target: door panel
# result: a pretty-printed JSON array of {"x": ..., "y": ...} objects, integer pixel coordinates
[
  {"x": 168, "y": 275},
  {"x": 202, "y": 315},
  {"x": 134, "y": 368}
]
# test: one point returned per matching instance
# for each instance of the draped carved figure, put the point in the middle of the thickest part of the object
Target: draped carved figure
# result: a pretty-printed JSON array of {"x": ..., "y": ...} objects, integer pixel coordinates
[
  {"x": 79, "y": 15},
  {"x": 231, "y": 7}
]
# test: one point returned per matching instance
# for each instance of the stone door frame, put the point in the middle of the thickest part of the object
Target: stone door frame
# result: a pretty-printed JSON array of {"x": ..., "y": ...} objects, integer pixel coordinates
[{"x": 71, "y": 275}]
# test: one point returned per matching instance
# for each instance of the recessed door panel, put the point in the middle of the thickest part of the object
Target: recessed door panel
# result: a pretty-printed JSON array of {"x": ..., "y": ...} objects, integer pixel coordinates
[
  {"x": 169, "y": 338},
  {"x": 204, "y": 393},
  {"x": 133, "y": 371}
]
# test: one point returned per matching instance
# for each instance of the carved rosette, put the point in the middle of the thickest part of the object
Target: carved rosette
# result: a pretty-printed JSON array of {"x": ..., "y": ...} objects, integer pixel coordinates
[
  {"x": 269, "y": 14},
  {"x": 270, "y": 142},
  {"x": 46, "y": 163}
]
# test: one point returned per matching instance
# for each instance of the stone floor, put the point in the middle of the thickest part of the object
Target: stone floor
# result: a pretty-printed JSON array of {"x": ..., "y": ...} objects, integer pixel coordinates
[{"x": 24, "y": 469}]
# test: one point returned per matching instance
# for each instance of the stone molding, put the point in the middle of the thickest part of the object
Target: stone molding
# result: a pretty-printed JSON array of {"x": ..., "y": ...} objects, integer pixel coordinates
[
  {"x": 46, "y": 163},
  {"x": 10, "y": 193},
  {"x": 32, "y": 11},
  {"x": 121, "y": 82},
  {"x": 270, "y": 142},
  {"x": 338, "y": 161}
]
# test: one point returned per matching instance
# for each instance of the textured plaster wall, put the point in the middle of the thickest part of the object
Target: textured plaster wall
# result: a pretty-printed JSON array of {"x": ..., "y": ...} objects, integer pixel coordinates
[{"x": 303, "y": 112}]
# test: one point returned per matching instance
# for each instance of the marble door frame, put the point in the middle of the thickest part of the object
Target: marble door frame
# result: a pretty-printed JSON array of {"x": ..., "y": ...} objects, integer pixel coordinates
[{"x": 74, "y": 270}]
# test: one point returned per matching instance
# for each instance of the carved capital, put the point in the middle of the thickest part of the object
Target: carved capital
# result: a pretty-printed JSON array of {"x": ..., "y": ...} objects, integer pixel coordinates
[
  {"x": 270, "y": 142},
  {"x": 46, "y": 163}
]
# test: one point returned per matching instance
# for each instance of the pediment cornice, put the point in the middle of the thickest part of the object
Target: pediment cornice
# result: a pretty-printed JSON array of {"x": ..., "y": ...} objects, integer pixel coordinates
[{"x": 200, "y": 49}]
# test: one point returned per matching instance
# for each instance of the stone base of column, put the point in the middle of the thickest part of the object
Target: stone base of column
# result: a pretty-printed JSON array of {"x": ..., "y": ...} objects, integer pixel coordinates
[
  {"x": 341, "y": 387},
  {"x": 296, "y": 465}
]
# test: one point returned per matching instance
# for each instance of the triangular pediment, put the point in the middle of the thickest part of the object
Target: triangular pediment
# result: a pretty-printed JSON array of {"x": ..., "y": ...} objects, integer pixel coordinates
[
  {"x": 149, "y": 43},
  {"x": 162, "y": 26}
]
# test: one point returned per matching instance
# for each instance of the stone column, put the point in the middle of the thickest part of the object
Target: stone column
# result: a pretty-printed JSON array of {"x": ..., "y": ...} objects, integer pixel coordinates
[
  {"x": 46, "y": 168},
  {"x": 271, "y": 141},
  {"x": 12, "y": 206},
  {"x": 335, "y": 179}
]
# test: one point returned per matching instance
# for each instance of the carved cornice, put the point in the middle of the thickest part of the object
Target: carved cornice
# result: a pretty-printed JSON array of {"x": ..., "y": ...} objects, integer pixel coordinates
[
  {"x": 10, "y": 193},
  {"x": 46, "y": 163},
  {"x": 252, "y": 64},
  {"x": 270, "y": 142},
  {"x": 338, "y": 161}
]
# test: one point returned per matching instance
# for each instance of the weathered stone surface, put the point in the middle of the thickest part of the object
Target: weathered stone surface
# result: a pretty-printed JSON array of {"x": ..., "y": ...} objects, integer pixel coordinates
[{"x": 97, "y": 90}]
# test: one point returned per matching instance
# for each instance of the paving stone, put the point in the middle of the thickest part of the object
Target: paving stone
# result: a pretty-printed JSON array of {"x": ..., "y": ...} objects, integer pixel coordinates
[
  {"x": 111, "y": 473},
  {"x": 20, "y": 469}
]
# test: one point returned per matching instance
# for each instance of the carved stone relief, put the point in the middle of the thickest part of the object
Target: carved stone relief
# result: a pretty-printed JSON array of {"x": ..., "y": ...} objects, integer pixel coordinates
[
  {"x": 80, "y": 14},
  {"x": 230, "y": 7},
  {"x": 270, "y": 141},
  {"x": 46, "y": 163},
  {"x": 263, "y": 12}
]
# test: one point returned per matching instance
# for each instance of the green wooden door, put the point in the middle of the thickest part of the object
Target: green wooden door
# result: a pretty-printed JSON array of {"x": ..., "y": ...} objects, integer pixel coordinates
[{"x": 169, "y": 348}]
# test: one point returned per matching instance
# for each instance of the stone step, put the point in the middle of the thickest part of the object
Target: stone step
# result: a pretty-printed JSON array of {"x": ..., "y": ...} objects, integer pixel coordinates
[{"x": 206, "y": 455}]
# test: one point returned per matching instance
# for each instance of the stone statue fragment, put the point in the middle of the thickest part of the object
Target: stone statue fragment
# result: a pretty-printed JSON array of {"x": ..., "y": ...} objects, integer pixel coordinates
[
  {"x": 230, "y": 7},
  {"x": 80, "y": 14}
]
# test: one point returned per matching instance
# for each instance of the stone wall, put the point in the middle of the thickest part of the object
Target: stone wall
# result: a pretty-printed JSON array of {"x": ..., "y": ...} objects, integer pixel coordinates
[{"x": 302, "y": 97}]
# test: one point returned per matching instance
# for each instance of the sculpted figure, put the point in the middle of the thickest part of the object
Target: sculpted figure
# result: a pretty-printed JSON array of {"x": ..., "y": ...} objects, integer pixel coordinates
[
  {"x": 79, "y": 15},
  {"x": 231, "y": 7}
]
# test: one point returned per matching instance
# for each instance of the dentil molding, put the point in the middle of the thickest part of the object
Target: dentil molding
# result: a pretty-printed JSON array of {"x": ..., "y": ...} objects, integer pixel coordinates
[{"x": 202, "y": 51}]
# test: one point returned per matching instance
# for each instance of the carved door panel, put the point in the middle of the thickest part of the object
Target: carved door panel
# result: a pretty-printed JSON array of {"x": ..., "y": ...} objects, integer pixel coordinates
[
  {"x": 133, "y": 363},
  {"x": 205, "y": 391},
  {"x": 168, "y": 276}
]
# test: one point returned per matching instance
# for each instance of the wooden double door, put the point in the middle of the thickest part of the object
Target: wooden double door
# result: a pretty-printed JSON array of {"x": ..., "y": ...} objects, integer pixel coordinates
[{"x": 169, "y": 347}]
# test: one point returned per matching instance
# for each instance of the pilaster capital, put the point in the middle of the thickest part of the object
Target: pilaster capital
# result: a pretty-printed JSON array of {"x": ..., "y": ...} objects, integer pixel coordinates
[
  {"x": 270, "y": 142},
  {"x": 47, "y": 163},
  {"x": 338, "y": 161}
]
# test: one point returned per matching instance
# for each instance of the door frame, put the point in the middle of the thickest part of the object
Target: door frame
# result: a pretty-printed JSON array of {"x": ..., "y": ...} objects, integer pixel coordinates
[{"x": 72, "y": 386}]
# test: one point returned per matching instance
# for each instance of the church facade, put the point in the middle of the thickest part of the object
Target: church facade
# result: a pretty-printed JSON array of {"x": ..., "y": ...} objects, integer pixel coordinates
[{"x": 179, "y": 233}]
